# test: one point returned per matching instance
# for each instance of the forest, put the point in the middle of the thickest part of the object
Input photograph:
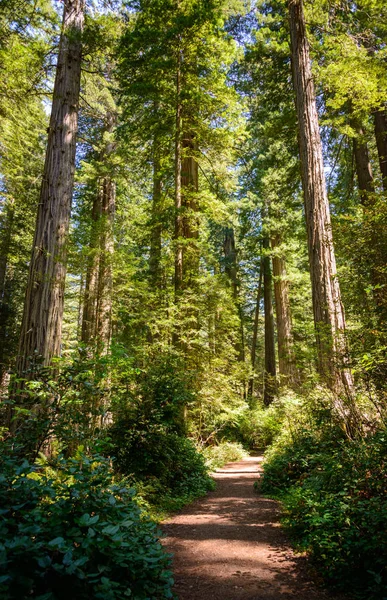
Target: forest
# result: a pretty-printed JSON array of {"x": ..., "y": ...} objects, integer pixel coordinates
[{"x": 193, "y": 267}]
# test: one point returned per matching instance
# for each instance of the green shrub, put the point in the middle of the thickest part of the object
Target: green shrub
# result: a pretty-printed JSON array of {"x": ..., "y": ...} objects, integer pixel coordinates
[
  {"x": 165, "y": 467},
  {"x": 335, "y": 499},
  {"x": 291, "y": 458},
  {"x": 71, "y": 532},
  {"x": 260, "y": 426},
  {"x": 225, "y": 452}
]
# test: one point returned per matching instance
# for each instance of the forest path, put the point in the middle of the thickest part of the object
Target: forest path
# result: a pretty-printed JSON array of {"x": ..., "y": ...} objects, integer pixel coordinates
[{"x": 230, "y": 546}]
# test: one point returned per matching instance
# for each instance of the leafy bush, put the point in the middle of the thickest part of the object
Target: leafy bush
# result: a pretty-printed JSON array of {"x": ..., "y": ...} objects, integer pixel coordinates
[
  {"x": 69, "y": 531},
  {"x": 165, "y": 467},
  {"x": 225, "y": 452},
  {"x": 259, "y": 427},
  {"x": 335, "y": 497}
]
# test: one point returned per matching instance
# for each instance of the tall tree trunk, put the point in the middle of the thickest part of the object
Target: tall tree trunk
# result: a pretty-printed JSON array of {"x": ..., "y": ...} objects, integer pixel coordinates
[
  {"x": 190, "y": 224},
  {"x": 363, "y": 166},
  {"x": 327, "y": 306},
  {"x": 89, "y": 317},
  {"x": 380, "y": 124},
  {"x": 230, "y": 256},
  {"x": 376, "y": 253},
  {"x": 155, "y": 246},
  {"x": 97, "y": 308},
  {"x": 270, "y": 365},
  {"x": 178, "y": 195},
  {"x": 231, "y": 268},
  {"x": 105, "y": 272},
  {"x": 6, "y": 230},
  {"x": 286, "y": 357},
  {"x": 41, "y": 329},
  {"x": 255, "y": 329}
]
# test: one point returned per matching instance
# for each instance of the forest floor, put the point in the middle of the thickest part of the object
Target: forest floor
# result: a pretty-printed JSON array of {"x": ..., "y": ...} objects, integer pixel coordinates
[{"x": 230, "y": 546}]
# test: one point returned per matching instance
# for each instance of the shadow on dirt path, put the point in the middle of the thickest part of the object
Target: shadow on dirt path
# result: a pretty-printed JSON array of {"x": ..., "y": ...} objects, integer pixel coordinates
[{"x": 229, "y": 545}]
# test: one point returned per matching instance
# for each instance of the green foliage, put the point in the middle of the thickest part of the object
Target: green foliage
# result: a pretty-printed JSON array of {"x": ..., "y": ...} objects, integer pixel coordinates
[
  {"x": 67, "y": 529},
  {"x": 260, "y": 426},
  {"x": 165, "y": 389},
  {"x": 165, "y": 467},
  {"x": 225, "y": 452},
  {"x": 71, "y": 406},
  {"x": 334, "y": 494}
]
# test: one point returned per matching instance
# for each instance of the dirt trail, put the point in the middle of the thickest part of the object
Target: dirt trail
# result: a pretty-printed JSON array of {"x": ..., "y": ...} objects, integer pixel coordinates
[{"x": 229, "y": 545}]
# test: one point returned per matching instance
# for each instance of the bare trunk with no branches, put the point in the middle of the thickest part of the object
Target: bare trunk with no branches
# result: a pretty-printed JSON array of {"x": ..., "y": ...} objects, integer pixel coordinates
[
  {"x": 270, "y": 364},
  {"x": 231, "y": 268},
  {"x": 286, "y": 357}
]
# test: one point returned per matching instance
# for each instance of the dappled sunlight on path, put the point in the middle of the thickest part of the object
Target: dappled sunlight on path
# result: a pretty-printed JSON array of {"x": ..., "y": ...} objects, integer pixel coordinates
[{"x": 229, "y": 545}]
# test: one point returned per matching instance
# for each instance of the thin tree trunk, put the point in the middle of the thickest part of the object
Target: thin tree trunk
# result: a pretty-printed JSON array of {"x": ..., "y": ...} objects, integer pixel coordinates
[
  {"x": 231, "y": 268},
  {"x": 380, "y": 124},
  {"x": 5, "y": 246},
  {"x": 230, "y": 256},
  {"x": 80, "y": 305},
  {"x": 255, "y": 329},
  {"x": 286, "y": 357},
  {"x": 178, "y": 196},
  {"x": 376, "y": 252},
  {"x": 89, "y": 317},
  {"x": 105, "y": 272},
  {"x": 327, "y": 306},
  {"x": 270, "y": 365},
  {"x": 155, "y": 247},
  {"x": 190, "y": 224},
  {"x": 96, "y": 323},
  {"x": 41, "y": 329}
]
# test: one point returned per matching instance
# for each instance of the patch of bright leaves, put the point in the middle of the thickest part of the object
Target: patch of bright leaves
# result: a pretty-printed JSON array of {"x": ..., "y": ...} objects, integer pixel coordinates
[{"x": 70, "y": 531}]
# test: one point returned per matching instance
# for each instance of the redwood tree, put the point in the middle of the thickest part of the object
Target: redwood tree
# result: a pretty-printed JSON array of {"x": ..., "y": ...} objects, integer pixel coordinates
[
  {"x": 327, "y": 306},
  {"x": 40, "y": 336}
]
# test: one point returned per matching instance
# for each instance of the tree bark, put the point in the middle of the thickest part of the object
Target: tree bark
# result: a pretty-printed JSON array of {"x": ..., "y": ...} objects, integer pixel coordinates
[
  {"x": 380, "y": 125},
  {"x": 97, "y": 309},
  {"x": 270, "y": 364},
  {"x": 190, "y": 223},
  {"x": 178, "y": 195},
  {"x": 231, "y": 268},
  {"x": 255, "y": 329},
  {"x": 286, "y": 357},
  {"x": 155, "y": 246},
  {"x": 105, "y": 272},
  {"x": 328, "y": 310},
  {"x": 89, "y": 317},
  {"x": 6, "y": 229},
  {"x": 230, "y": 256},
  {"x": 43, "y": 309}
]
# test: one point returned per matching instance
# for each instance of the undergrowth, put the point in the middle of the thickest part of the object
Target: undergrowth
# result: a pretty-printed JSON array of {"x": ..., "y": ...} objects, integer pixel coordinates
[
  {"x": 69, "y": 529},
  {"x": 223, "y": 453},
  {"x": 162, "y": 465},
  {"x": 334, "y": 493}
]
